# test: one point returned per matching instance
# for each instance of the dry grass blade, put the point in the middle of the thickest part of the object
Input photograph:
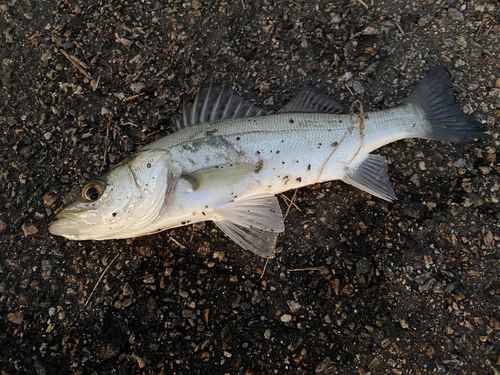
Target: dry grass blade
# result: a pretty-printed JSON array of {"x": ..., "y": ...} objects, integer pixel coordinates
[
  {"x": 290, "y": 204},
  {"x": 100, "y": 279},
  {"x": 309, "y": 269},
  {"x": 133, "y": 97},
  {"x": 488, "y": 57},
  {"x": 264, "y": 270},
  {"x": 363, "y": 3},
  {"x": 181, "y": 246}
]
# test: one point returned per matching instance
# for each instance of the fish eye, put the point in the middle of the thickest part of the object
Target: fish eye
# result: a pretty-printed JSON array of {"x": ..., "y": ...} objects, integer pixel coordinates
[{"x": 92, "y": 191}]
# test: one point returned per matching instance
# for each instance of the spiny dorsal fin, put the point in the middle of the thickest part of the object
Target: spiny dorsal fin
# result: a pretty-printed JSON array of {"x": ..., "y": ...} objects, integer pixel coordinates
[
  {"x": 215, "y": 103},
  {"x": 311, "y": 99}
]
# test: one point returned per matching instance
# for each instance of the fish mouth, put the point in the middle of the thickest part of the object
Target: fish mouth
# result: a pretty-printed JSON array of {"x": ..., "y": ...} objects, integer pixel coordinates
[{"x": 67, "y": 225}]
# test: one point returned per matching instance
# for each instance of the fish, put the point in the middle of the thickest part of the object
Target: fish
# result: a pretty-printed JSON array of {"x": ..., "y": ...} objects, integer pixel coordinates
[{"x": 229, "y": 159}]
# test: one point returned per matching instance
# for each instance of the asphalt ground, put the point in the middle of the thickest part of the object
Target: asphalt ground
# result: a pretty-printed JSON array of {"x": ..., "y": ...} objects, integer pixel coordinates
[{"x": 359, "y": 285}]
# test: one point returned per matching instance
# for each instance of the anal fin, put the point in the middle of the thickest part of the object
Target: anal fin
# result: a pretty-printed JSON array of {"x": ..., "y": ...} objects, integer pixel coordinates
[
  {"x": 253, "y": 223},
  {"x": 371, "y": 176}
]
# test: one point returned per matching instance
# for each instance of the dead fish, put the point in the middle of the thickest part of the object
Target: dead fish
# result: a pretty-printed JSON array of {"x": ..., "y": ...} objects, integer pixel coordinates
[{"x": 229, "y": 159}]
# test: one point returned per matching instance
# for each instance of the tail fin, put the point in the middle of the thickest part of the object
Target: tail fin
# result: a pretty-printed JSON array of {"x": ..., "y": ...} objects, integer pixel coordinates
[{"x": 447, "y": 122}]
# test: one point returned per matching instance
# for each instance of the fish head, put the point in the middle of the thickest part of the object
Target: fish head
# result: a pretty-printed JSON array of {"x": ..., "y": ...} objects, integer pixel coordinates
[{"x": 121, "y": 204}]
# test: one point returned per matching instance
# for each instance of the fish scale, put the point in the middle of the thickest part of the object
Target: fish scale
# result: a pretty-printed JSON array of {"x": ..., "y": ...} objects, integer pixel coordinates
[{"x": 229, "y": 159}]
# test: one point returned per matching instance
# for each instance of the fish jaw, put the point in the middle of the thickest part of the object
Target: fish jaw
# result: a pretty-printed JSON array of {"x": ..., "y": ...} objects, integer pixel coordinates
[
  {"x": 70, "y": 226},
  {"x": 132, "y": 199}
]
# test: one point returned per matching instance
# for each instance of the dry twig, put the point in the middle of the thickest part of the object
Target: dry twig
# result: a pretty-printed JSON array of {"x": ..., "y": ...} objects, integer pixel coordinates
[{"x": 80, "y": 65}]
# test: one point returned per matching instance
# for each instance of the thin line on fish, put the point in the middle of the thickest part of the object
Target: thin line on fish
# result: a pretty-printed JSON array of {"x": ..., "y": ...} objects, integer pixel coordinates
[{"x": 229, "y": 159}]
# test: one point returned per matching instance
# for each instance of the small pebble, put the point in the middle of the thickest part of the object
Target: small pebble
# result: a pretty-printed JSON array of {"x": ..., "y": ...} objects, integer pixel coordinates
[
  {"x": 137, "y": 87},
  {"x": 267, "y": 334},
  {"x": 196, "y": 5},
  {"x": 15, "y": 318},
  {"x": 294, "y": 306},
  {"x": 48, "y": 135},
  {"x": 285, "y": 318},
  {"x": 3, "y": 226},
  {"x": 455, "y": 14},
  {"x": 106, "y": 111},
  {"x": 127, "y": 290},
  {"x": 358, "y": 87},
  {"x": 29, "y": 230}
]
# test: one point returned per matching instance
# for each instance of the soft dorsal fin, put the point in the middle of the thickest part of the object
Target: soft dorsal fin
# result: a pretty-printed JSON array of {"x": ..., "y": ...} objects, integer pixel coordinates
[
  {"x": 215, "y": 103},
  {"x": 311, "y": 99},
  {"x": 253, "y": 223}
]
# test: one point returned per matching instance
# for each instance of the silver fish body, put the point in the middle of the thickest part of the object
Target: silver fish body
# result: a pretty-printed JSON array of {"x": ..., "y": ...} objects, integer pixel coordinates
[{"x": 226, "y": 164}]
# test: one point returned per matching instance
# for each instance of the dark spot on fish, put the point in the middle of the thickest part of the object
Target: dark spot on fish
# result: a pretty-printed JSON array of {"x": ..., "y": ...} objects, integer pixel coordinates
[
  {"x": 367, "y": 117},
  {"x": 206, "y": 206},
  {"x": 414, "y": 125},
  {"x": 291, "y": 121},
  {"x": 282, "y": 162},
  {"x": 257, "y": 152},
  {"x": 340, "y": 121},
  {"x": 183, "y": 223},
  {"x": 113, "y": 214},
  {"x": 209, "y": 133},
  {"x": 309, "y": 167},
  {"x": 320, "y": 144},
  {"x": 282, "y": 141},
  {"x": 258, "y": 166},
  {"x": 297, "y": 161},
  {"x": 187, "y": 222},
  {"x": 277, "y": 151},
  {"x": 335, "y": 144},
  {"x": 346, "y": 168},
  {"x": 299, "y": 179},
  {"x": 237, "y": 138},
  {"x": 148, "y": 165},
  {"x": 203, "y": 213}
]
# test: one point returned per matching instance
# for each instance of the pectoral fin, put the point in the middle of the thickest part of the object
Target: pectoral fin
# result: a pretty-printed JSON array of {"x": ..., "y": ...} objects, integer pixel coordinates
[
  {"x": 221, "y": 175},
  {"x": 371, "y": 176},
  {"x": 253, "y": 223}
]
